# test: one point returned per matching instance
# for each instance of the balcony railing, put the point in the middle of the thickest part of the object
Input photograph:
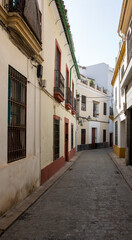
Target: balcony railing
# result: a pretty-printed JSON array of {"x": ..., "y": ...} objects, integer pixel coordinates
[
  {"x": 31, "y": 14},
  {"x": 59, "y": 86},
  {"x": 74, "y": 106},
  {"x": 111, "y": 111},
  {"x": 15, "y": 6},
  {"x": 68, "y": 98}
]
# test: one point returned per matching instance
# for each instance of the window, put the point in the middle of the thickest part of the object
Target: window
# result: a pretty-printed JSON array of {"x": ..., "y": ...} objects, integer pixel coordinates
[
  {"x": 83, "y": 136},
  {"x": 122, "y": 72},
  {"x": 129, "y": 43},
  {"x": 95, "y": 109},
  {"x": 116, "y": 133},
  {"x": 72, "y": 95},
  {"x": 116, "y": 96},
  {"x": 56, "y": 137},
  {"x": 17, "y": 88},
  {"x": 83, "y": 107},
  {"x": 71, "y": 136},
  {"x": 105, "y": 108},
  {"x": 104, "y": 135}
]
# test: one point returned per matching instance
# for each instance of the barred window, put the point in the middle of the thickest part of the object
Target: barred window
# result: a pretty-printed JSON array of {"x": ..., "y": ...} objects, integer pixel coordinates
[
  {"x": 104, "y": 135},
  {"x": 116, "y": 133},
  {"x": 71, "y": 136},
  {"x": 105, "y": 108},
  {"x": 56, "y": 138},
  {"x": 83, "y": 107},
  {"x": 17, "y": 88},
  {"x": 83, "y": 136}
]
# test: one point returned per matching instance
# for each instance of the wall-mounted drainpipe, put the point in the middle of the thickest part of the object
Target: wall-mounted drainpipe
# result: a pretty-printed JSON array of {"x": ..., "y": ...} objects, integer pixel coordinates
[{"x": 71, "y": 73}]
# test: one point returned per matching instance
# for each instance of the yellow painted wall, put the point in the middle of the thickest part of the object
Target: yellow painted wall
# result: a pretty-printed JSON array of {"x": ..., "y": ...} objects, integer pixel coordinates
[{"x": 120, "y": 152}]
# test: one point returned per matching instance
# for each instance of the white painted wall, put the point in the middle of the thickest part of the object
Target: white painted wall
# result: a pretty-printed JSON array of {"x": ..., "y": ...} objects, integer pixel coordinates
[
  {"x": 102, "y": 73},
  {"x": 21, "y": 177}
]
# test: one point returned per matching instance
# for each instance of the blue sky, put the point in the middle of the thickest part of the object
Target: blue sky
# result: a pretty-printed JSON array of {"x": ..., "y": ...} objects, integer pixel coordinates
[{"x": 94, "y": 26}]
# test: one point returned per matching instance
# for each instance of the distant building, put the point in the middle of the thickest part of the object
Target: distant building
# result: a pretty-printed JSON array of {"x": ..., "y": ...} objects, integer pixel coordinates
[
  {"x": 122, "y": 86},
  {"x": 92, "y": 115},
  {"x": 102, "y": 73}
]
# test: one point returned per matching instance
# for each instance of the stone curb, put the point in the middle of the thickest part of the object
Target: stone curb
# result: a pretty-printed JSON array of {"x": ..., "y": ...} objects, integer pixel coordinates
[
  {"x": 11, "y": 215},
  {"x": 125, "y": 171}
]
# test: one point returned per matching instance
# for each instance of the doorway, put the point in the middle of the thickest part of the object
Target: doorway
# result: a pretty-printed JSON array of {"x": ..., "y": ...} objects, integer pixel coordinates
[
  {"x": 93, "y": 138},
  {"x": 111, "y": 139},
  {"x": 66, "y": 141}
]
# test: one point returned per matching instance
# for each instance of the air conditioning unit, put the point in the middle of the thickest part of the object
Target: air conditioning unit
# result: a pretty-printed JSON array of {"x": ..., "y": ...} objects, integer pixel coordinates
[{"x": 43, "y": 83}]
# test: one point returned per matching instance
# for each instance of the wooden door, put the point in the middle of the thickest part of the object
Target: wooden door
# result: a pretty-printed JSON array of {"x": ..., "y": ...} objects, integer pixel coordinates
[
  {"x": 93, "y": 138},
  {"x": 66, "y": 141}
]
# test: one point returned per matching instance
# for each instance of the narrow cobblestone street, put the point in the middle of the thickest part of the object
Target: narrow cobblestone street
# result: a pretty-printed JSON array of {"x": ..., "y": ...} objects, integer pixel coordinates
[{"x": 90, "y": 201}]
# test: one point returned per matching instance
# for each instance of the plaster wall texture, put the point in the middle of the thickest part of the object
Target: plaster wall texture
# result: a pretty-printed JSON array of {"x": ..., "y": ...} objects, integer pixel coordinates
[
  {"x": 49, "y": 106},
  {"x": 20, "y": 177},
  {"x": 102, "y": 73},
  {"x": 100, "y": 122}
]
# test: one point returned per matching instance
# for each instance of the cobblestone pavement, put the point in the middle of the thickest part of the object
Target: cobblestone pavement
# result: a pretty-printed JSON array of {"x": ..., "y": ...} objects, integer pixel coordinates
[{"x": 91, "y": 201}]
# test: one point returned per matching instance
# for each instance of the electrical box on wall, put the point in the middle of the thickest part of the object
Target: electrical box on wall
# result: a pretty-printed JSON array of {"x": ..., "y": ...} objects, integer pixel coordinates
[{"x": 39, "y": 71}]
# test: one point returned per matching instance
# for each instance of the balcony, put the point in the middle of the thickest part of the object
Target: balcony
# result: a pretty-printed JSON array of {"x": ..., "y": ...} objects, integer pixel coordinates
[
  {"x": 23, "y": 20},
  {"x": 59, "y": 86},
  {"x": 111, "y": 113},
  {"x": 68, "y": 103},
  {"x": 29, "y": 11},
  {"x": 74, "y": 106}
]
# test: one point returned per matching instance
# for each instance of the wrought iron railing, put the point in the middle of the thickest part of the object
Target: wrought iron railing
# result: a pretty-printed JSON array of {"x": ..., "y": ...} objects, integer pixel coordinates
[
  {"x": 15, "y": 6},
  {"x": 75, "y": 104},
  {"x": 59, "y": 82},
  {"x": 68, "y": 96},
  {"x": 111, "y": 111}
]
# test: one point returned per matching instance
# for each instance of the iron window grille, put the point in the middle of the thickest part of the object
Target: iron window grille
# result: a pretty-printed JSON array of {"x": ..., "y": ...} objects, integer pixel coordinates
[
  {"x": 116, "y": 133},
  {"x": 56, "y": 139},
  {"x": 105, "y": 108},
  {"x": 17, "y": 89},
  {"x": 83, "y": 106}
]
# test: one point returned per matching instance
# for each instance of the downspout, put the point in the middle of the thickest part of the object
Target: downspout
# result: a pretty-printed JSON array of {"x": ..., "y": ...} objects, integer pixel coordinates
[{"x": 71, "y": 74}]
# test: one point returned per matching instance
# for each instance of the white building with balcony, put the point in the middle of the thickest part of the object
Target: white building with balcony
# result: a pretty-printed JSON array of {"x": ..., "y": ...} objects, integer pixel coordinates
[
  {"x": 92, "y": 115},
  {"x": 102, "y": 73}
]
